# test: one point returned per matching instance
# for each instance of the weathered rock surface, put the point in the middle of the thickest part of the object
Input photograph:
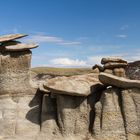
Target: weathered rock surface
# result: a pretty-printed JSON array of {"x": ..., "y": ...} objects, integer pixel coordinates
[
  {"x": 112, "y": 59},
  {"x": 14, "y": 72},
  {"x": 19, "y": 101},
  {"x": 42, "y": 89},
  {"x": 6, "y": 38},
  {"x": 119, "y": 72},
  {"x": 20, "y": 47},
  {"x": 111, "y": 65},
  {"x": 99, "y": 67},
  {"x": 131, "y": 112},
  {"x": 112, "y": 80},
  {"x": 82, "y": 85},
  {"x": 109, "y": 123},
  {"x": 133, "y": 70}
]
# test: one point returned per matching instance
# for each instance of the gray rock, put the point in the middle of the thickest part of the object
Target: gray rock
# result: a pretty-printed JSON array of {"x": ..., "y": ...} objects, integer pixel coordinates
[
  {"x": 73, "y": 115},
  {"x": 19, "y": 115},
  {"x": 109, "y": 124},
  {"x": 80, "y": 85},
  {"x": 112, "y": 65},
  {"x": 10, "y": 37},
  {"x": 14, "y": 72},
  {"x": 121, "y": 82},
  {"x": 131, "y": 112},
  {"x": 133, "y": 70},
  {"x": 49, "y": 120},
  {"x": 112, "y": 59}
]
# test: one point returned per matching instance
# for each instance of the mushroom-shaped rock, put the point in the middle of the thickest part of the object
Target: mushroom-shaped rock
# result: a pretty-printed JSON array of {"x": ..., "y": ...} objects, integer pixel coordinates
[
  {"x": 121, "y": 82},
  {"x": 20, "y": 47},
  {"x": 6, "y": 38},
  {"x": 112, "y": 65},
  {"x": 80, "y": 85},
  {"x": 112, "y": 59}
]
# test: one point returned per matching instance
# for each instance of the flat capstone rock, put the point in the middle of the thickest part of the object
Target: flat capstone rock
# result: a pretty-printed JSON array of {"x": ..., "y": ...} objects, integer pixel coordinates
[
  {"x": 112, "y": 59},
  {"x": 121, "y": 82},
  {"x": 80, "y": 85},
  {"x": 10, "y": 37},
  {"x": 20, "y": 47}
]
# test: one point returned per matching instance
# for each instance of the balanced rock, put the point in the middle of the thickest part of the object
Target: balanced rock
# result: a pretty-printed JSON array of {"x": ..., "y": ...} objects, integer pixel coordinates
[
  {"x": 99, "y": 67},
  {"x": 80, "y": 85},
  {"x": 112, "y": 59},
  {"x": 112, "y": 65},
  {"x": 6, "y": 38},
  {"x": 20, "y": 47},
  {"x": 112, "y": 80}
]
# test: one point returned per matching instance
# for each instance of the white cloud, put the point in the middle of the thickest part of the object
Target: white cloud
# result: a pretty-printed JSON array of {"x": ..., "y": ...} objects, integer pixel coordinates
[
  {"x": 94, "y": 60},
  {"x": 67, "y": 62},
  {"x": 123, "y": 36},
  {"x": 50, "y": 39}
]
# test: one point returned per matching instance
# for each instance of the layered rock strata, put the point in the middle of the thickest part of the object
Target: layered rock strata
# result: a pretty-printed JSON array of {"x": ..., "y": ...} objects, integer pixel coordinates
[{"x": 114, "y": 66}]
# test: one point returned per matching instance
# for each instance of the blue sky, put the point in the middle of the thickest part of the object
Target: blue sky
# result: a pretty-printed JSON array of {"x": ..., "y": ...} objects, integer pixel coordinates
[{"x": 75, "y": 33}]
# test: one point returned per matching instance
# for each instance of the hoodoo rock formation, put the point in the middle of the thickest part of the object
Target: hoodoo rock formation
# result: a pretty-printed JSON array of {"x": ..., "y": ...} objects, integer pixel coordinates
[
  {"x": 103, "y": 106},
  {"x": 19, "y": 106}
]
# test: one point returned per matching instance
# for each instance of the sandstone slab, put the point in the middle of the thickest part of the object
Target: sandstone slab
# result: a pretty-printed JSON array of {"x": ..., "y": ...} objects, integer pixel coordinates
[
  {"x": 121, "y": 82},
  {"x": 81, "y": 85},
  {"x": 20, "y": 47},
  {"x": 112, "y": 59},
  {"x": 6, "y": 38}
]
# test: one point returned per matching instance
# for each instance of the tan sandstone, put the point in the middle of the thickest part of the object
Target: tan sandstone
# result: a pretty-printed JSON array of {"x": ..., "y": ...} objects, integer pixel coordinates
[{"x": 112, "y": 80}]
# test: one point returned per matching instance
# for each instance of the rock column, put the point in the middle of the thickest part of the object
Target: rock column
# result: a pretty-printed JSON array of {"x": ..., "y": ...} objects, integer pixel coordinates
[{"x": 18, "y": 107}]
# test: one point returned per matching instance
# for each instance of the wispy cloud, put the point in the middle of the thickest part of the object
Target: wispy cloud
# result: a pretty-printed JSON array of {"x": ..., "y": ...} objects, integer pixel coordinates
[
  {"x": 51, "y": 39},
  {"x": 122, "y": 36}
]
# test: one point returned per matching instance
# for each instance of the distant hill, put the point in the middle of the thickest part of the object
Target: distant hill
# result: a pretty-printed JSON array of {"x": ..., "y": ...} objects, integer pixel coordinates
[{"x": 62, "y": 71}]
